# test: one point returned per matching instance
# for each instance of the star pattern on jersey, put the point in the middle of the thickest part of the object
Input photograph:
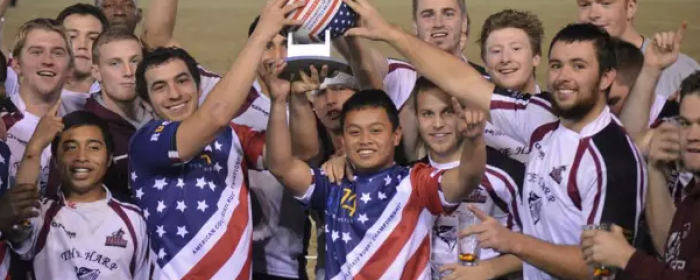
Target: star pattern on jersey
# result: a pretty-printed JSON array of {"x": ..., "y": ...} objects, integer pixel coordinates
[
  {"x": 160, "y": 184},
  {"x": 208, "y": 148},
  {"x": 387, "y": 180},
  {"x": 381, "y": 195},
  {"x": 2, "y": 159},
  {"x": 212, "y": 186},
  {"x": 202, "y": 205},
  {"x": 366, "y": 198},
  {"x": 217, "y": 167},
  {"x": 201, "y": 183},
  {"x": 133, "y": 176},
  {"x": 139, "y": 193},
  {"x": 161, "y": 254},
  {"x": 334, "y": 235},
  {"x": 346, "y": 237},
  {"x": 217, "y": 146},
  {"x": 180, "y": 183},
  {"x": 182, "y": 231},
  {"x": 362, "y": 218},
  {"x": 181, "y": 206},
  {"x": 160, "y": 230},
  {"x": 161, "y": 206}
]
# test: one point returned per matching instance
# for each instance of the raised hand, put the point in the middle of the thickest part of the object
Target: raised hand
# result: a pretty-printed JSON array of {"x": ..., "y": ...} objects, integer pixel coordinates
[
  {"x": 337, "y": 168},
  {"x": 471, "y": 122},
  {"x": 309, "y": 83},
  {"x": 49, "y": 126},
  {"x": 490, "y": 233},
  {"x": 665, "y": 48},
  {"x": 371, "y": 24},
  {"x": 274, "y": 17},
  {"x": 600, "y": 247},
  {"x": 279, "y": 88}
]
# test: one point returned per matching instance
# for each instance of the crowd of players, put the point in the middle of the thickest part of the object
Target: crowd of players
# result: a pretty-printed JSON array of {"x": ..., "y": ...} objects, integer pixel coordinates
[{"x": 144, "y": 165}]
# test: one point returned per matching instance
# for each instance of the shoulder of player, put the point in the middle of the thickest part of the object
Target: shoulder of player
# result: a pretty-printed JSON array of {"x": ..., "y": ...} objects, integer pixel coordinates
[
  {"x": 504, "y": 167},
  {"x": 131, "y": 210},
  {"x": 398, "y": 64},
  {"x": 613, "y": 149},
  {"x": 205, "y": 73}
]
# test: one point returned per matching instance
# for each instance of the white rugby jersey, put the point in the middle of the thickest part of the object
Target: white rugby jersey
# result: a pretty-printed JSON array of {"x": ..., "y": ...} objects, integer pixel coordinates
[
  {"x": 105, "y": 239},
  {"x": 20, "y": 128},
  {"x": 496, "y": 195},
  {"x": 572, "y": 179},
  {"x": 399, "y": 83},
  {"x": 279, "y": 220},
  {"x": 198, "y": 212}
]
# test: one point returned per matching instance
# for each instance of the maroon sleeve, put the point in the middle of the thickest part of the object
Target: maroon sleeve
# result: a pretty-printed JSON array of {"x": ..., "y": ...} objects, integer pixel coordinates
[{"x": 644, "y": 267}]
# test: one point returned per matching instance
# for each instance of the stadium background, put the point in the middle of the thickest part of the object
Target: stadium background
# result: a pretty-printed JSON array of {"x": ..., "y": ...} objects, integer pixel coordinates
[{"x": 215, "y": 30}]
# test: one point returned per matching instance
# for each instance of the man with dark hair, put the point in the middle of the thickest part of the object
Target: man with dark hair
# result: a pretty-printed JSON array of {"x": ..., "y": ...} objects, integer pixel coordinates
[
  {"x": 85, "y": 211},
  {"x": 361, "y": 211},
  {"x": 676, "y": 236},
  {"x": 195, "y": 162},
  {"x": 280, "y": 224},
  {"x": 583, "y": 167},
  {"x": 116, "y": 53},
  {"x": 121, "y": 13},
  {"x": 83, "y": 23},
  {"x": 629, "y": 63}
]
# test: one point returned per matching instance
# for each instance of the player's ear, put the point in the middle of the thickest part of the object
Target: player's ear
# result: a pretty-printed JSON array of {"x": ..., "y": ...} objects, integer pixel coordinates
[
  {"x": 398, "y": 132},
  {"x": 14, "y": 63},
  {"x": 96, "y": 72},
  {"x": 631, "y": 9},
  {"x": 536, "y": 60},
  {"x": 415, "y": 28},
  {"x": 607, "y": 79},
  {"x": 139, "y": 15}
]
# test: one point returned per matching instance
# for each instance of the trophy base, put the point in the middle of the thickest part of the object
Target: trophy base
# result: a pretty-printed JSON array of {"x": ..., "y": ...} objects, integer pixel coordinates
[{"x": 303, "y": 63}]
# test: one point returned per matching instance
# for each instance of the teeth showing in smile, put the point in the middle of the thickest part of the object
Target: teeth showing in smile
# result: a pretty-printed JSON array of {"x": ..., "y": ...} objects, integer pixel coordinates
[
  {"x": 440, "y": 135},
  {"x": 507, "y": 71},
  {"x": 365, "y": 152},
  {"x": 46, "y": 74},
  {"x": 439, "y": 35},
  {"x": 80, "y": 170},
  {"x": 177, "y": 107}
]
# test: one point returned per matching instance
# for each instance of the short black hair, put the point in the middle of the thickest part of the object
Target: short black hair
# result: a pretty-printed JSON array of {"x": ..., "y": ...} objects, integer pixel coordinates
[
  {"x": 86, "y": 10},
  {"x": 254, "y": 25},
  {"x": 586, "y": 32},
  {"x": 160, "y": 56},
  {"x": 80, "y": 119},
  {"x": 630, "y": 61},
  {"x": 690, "y": 85},
  {"x": 373, "y": 98}
]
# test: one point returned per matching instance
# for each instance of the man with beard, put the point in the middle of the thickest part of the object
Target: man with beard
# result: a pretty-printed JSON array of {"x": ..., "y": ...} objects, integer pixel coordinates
[
  {"x": 121, "y": 13},
  {"x": 583, "y": 167}
]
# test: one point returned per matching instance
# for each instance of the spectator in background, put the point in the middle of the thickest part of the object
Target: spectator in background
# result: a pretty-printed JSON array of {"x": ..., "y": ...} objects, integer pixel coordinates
[
  {"x": 629, "y": 63},
  {"x": 121, "y": 13}
]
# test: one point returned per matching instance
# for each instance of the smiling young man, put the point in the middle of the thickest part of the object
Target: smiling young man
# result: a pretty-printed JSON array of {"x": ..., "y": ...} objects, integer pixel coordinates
[
  {"x": 189, "y": 167},
  {"x": 379, "y": 224},
  {"x": 85, "y": 233},
  {"x": 583, "y": 167},
  {"x": 438, "y": 125},
  {"x": 617, "y": 17}
]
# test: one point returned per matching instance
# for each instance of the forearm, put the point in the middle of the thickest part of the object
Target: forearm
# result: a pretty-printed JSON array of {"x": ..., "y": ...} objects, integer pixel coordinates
[
  {"x": 160, "y": 23},
  {"x": 302, "y": 124},
  {"x": 561, "y": 261},
  {"x": 660, "y": 208},
  {"x": 288, "y": 170},
  {"x": 503, "y": 265},
  {"x": 219, "y": 108},
  {"x": 447, "y": 71},
  {"x": 471, "y": 169},
  {"x": 368, "y": 65},
  {"x": 30, "y": 166},
  {"x": 3, "y": 7},
  {"x": 635, "y": 112}
]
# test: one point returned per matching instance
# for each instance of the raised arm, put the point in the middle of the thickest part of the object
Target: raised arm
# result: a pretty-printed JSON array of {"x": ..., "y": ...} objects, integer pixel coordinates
[
  {"x": 445, "y": 70},
  {"x": 369, "y": 66},
  {"x": 160, "y": 24},
  {"x": 302, "y": 119},
  {"x": 30, "y": 166},
  {"x": 662, "y": 53},
  {"x": 291, "y": 172},
  {"x": 459, "y": 182},
  {"x": 221, "y": 105}
]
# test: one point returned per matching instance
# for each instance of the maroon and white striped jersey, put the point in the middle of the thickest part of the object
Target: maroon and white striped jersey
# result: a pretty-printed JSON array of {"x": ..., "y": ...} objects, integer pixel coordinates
[
  {"x": 105, "y": 239},
  {"x": 572, "y": 178}
]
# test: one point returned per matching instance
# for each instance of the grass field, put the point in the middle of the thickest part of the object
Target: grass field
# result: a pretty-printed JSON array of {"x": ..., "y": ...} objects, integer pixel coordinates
[{"x": 215, "y": 30}]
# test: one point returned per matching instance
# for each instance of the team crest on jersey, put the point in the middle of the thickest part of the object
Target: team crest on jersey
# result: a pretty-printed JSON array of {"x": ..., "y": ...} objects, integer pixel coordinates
[
  {"x": 535, "y": 202},
  {"x": 116, "y": 239},
  {"x": 556, "y": 173},
  {"x": 477, "y": 196},
  {"x": 447, "y": 234},
  {"x": 85, "y": 273}
]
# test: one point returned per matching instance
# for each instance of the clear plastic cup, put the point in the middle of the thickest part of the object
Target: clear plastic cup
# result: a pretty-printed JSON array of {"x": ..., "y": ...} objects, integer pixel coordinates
[
  {"x": 469, "y": 247},
  {"x": 601, "y": 272}
]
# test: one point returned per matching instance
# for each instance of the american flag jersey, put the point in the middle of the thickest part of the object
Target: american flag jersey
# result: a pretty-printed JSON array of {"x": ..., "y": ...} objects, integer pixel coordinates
[
  {"x": 319, "y": 16},
  {"x": 4, "y": 185},
  {"x": 197, "y": 212},
  {"x": 379, "y": 226}
]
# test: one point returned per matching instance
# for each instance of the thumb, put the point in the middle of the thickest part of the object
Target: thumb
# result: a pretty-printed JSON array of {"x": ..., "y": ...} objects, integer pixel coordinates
[
  {"x": 357, "y": 32},
  {"x": 617, "y": 230},
  {"x": 478, "y": 213},
  {"x": 451, "y": 266}
]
